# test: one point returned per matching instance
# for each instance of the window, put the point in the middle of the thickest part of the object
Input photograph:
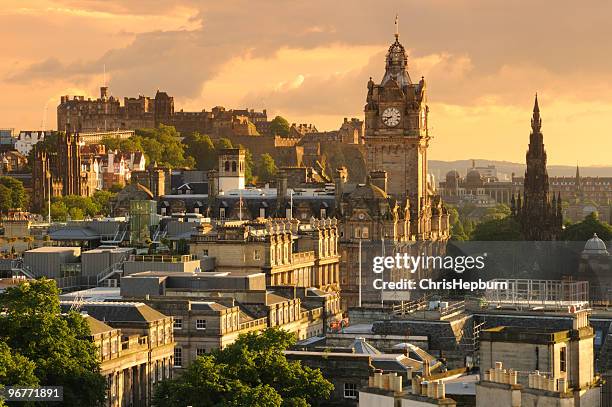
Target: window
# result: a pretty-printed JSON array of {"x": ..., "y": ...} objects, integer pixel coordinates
[
  {"x": 222, "y": 213},
  {"x": 323, "y": 213},
  {"x": 200, "y": 324},
  {"x": 288, "y": 214},
  {"x": 563, "y": 360},
  {"x": 233, "y": 166},
  {"x": 357, "y": 232},
  {"x": 364, "y": 232},
  {"x": 262, "y": 212},
  {"x": 227, "y": 166},
  {"x": 350, "y": 391},
  {"x": 200, "y": 351},
  {"x": 178, "y": 357},
  {"x": 256, "y": 255},
  {"x": 178, "y": 323},
  {"x": 205, "y": 252}
]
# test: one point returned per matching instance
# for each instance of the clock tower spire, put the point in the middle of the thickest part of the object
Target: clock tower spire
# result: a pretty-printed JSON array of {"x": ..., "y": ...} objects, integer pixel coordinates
[{"x": 396, "y": 135}]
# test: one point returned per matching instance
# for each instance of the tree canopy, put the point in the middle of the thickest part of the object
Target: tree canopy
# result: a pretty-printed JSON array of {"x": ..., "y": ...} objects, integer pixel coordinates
[
  {"x": 78, "y": 207},
  {"x": 46, "y": 346},
  {"x": 279, "y": 126},
  {"x": 162, "y": 144},
  {"x": 252, "y": 371},
  {"x": 503, "y": 229},
  {"x": 12, "y": 194},
  {"x": 584, "y": 230},
  {"x": 266, "y": 168}
]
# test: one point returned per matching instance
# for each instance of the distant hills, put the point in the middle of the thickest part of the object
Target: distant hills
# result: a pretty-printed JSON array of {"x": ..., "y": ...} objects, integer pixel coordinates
[{"x": 440, "y": 168}]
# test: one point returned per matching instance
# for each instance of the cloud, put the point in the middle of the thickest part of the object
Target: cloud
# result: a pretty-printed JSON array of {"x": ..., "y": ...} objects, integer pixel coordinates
[{"x": 477, "y": 56}]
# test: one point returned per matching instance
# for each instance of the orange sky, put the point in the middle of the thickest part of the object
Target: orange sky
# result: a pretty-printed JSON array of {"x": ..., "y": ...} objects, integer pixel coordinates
[{"x": 310, "y": 61}]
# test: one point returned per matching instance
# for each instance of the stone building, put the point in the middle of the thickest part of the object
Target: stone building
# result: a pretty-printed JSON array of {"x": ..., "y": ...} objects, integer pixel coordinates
[
  {"x": 287, "y": 251},
  {"x": 522, "y": 366},
  {"x": 61, "y": 173},
  {"x": 396, "y": 133},
  {"x": 211, "y": 309},
  {"x": 539, "y": 214},
  {"x": 107, "y": 113},
  {"x": 135, "y": 347}
]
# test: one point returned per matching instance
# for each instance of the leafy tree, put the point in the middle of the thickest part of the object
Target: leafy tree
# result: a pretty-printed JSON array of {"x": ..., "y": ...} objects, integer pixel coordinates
[
  {"x": 202, "y": 149},
  {"x": 163, "y": 144},
  {"x": 252, "y": 371},
  {"x": 249, "y": 165},
  {"x": 76, "y": 213},
  {"x": 497, "y": 230},
  {"x": 129, "y": 145},
  {"x": 584, "y": 230},
  {"x": 266, "y": 170},
  {"x": 279, "y": 126},
  {"x": 457, "y": 231},
  {"x": 57, "y": 344},
  {"x": 15, "y": 369},
  {"x": 223, "y": 143},
  {"x": 6, "y": 199},
  {"x": 59, "y": 211},
  {"x": 499, "y": 211},
  {"x": 18, "y": 194},
  {"x": 102, "y": 200}
]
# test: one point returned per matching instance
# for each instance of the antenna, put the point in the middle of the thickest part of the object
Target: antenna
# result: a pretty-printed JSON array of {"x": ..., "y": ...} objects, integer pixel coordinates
[{"x": 104, "y": 75}]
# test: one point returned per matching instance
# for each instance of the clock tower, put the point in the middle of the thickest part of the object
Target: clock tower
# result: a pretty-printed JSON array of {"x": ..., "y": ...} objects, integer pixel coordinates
[{"x": 396, "y": 136}]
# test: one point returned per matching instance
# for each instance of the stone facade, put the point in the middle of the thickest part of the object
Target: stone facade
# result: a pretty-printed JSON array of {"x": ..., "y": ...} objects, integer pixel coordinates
[
  {"x": 396, "y": 134},
  {"x": 135, "y": 348},
  {"x": 289, "y": 252}
]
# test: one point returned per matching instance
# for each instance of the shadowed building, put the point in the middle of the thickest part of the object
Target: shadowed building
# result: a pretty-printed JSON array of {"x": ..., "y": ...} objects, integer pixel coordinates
[{"x": 540, "y": 216}]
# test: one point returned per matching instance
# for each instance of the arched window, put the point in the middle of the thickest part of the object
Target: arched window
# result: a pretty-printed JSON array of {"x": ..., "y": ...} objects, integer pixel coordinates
[
  {"x": 234, "y": 166},
  {"x": 227, "y": 166}
]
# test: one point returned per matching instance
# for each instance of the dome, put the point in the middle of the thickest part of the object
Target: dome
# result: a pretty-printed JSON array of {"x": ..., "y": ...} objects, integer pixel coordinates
[
  {"x": 473, "y": 178},
  {"x": 396, "y": 65},
  {"x": 595, "y": 246}
]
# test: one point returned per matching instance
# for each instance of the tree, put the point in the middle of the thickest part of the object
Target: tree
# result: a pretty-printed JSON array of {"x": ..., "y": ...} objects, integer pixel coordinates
[
  {"x": 266, "y": 170},
  {"x": 499, "y": 211},
  {"x": 59, "y": 211},
  {"x": 279, "y": 126},
  {"x": 248, "y": 166},
  {"x": 18, "y": 195},
  {"x": 57, "y": 344},
  {"x": 497, "y": 230},
  {"x": 252, "y": 371},
  {"x": 584, "y": 230},
  {"x": 102, "y": 200},
  {"x": 202, "y": 149},
  {"x": 163, "y": 144},
  {"x": 6, "y": 199}
]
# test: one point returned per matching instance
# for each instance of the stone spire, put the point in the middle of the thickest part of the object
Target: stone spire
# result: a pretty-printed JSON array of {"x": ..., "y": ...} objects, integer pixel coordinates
[
  {"x": 539, "y": 217},
  {"x": 578, "y": 184},
  {"x": 397, "y": 64},
  {"x": 536, "y": 120}
]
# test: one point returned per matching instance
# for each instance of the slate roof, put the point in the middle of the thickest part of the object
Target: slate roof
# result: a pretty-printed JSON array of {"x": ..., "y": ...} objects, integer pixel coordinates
[{"x": 118, "y": 311}]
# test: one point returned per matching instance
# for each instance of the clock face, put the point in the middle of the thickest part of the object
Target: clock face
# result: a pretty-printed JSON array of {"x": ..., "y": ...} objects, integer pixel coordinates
[{"x": 391, "y": 117}]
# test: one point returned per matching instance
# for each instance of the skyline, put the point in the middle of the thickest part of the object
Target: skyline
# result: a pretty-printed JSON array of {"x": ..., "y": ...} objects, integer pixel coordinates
[{"x": 311, "y": 64}]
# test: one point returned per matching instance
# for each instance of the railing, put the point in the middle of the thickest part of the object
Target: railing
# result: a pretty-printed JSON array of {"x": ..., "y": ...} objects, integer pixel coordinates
[
  {"x": 160, "y": 258},
  {"x": 452, "y": 308},
  {"x": 110, "y": 271},
  {"x": 410, "y": 306}
]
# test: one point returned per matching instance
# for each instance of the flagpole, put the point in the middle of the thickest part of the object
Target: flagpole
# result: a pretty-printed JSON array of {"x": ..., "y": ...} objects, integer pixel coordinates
[{"x": 360, "y": 272}]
